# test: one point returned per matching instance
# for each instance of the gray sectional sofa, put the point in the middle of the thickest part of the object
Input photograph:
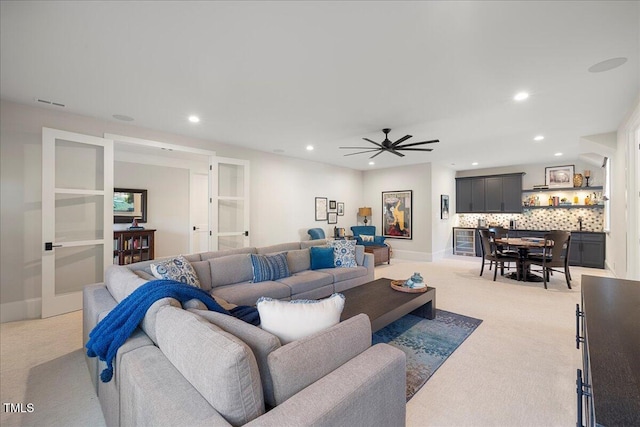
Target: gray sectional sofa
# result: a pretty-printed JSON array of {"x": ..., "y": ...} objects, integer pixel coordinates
[{"x": 189, "y": 366}]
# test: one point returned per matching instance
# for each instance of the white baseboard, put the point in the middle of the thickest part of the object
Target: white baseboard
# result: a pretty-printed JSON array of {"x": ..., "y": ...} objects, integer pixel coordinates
[
  {"x": 21, "y": 310},
  {"x": 411, "y": 255}
]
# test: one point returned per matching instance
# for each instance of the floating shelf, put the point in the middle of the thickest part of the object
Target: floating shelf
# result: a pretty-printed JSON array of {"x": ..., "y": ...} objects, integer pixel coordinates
[
  {"x": 564, "y": 207},
  {"x": 551, "y": 190}
]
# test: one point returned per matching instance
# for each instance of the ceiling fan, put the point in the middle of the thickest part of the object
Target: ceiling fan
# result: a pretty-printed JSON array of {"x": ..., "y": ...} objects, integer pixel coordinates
[{"x": 391, "y": 147}]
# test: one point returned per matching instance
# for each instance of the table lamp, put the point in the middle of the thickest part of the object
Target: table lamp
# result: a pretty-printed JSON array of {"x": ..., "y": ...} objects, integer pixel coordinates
[{"x": 365, "y": 212}]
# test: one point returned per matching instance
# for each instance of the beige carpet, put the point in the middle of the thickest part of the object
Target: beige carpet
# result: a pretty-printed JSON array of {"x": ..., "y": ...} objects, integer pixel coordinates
[{"x": 517, "y": 368}]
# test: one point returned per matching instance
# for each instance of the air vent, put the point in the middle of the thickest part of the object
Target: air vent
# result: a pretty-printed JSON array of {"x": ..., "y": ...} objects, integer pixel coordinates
[{"x": 44, "y": 101}]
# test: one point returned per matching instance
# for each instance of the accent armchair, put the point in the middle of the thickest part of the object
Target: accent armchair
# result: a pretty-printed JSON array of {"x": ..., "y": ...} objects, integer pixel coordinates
[
  {"x": 366, "y": 235},
  {"x": 316, "y": 233}
]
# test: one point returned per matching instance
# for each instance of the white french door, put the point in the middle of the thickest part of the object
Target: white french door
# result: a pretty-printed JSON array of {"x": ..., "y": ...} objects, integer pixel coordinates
[
  {"x": 200, "y": 213},
  {"x": 77, "y": 216},
  {"x": 230, "y": 194}
]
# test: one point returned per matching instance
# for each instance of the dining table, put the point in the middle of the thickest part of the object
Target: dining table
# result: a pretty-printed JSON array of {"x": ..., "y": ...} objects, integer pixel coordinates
[{"x": 524, "y": 246}]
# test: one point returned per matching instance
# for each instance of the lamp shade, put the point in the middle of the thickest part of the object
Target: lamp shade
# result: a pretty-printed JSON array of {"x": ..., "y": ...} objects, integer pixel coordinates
[{"x": 364, "y": 211}]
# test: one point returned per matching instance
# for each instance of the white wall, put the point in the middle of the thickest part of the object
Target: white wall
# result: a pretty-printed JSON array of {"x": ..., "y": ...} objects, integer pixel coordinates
[
  {"x": 282, "y": 195},
  {"x": 167, "y": 203},
  {"x": 442, "y": 182}
]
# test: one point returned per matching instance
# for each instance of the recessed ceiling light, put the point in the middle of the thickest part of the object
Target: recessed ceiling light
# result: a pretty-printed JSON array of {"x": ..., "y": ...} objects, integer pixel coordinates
[
  {"x": 607, "y": 65},
  {"x": 372, "y": 163},
  {"x": 309, "y": 147},
  {"x": 558, "y": 154},
  {"x": 194, "y": 119},
  {"x": 521, "y": 96},
  {"x": 122, "y": 117},
  {"x": 474, "y": 164},
  {"x": 538, "y": 138}
]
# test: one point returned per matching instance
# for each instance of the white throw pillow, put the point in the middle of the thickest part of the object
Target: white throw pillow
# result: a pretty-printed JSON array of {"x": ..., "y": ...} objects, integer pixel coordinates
[
  {"x": 366, "y": 238},
  {"x": 292, "y": 320}
]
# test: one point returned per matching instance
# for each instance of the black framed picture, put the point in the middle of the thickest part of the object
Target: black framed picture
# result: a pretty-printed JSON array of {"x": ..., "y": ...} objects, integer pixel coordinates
[
  {"x": 396, "y": 214},
  {"x": 321, "y": 208},
  {"x": 332, "y": 218},
  {"x": 444, "y": 206},
  {"x": 340, "y": 208},
  {"x": 332, "y": 206}
]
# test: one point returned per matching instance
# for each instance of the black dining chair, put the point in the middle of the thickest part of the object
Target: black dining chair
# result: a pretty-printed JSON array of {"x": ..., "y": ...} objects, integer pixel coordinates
[
  {"x": 498, "y": 233},
  {"x": 555, "y": 254},
  {"x": 490, "y": 254}
]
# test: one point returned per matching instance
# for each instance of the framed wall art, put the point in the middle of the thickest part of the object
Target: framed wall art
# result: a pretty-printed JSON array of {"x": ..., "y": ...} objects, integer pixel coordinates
[
  {"x": 340, "y": 208},
  {"x": 559, "y": 176},
  {"x": 332, "y": 206},
  {"x": 332, "y": 218},
  {"x": 444, "y": 206},
  {"x": 321, "y": 208},
  {"x": 396, "y": 214}
]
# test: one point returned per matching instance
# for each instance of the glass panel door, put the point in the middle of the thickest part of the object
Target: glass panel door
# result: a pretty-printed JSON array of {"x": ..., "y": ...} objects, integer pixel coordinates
[
  {"x": 231, "y": 210},
  {"x": 77, "y": 216}
]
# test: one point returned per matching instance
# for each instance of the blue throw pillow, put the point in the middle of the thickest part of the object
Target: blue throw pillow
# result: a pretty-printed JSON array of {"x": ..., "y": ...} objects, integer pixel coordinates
[
  {"x": 321, "y": 257},
  {"x": 269, "y": 267}
]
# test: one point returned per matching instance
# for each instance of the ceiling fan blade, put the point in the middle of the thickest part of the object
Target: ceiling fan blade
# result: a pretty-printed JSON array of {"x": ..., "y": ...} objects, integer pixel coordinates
[
  {"x": 418, "y": 143},
  {"x": 377, "y": 154},
  {"x": 396, "y": 153},
  {"x": 415, "y": 149},
  {"x": 362, "y": 152},
  {"x": 373, "y": 142},
  {"x": 401, "y": 140},
  {"x": 364, "y": 148}
]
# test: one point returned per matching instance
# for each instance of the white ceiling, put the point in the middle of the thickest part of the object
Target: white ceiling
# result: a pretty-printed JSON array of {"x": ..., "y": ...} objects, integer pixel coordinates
[{"x": 282, "y": 75}]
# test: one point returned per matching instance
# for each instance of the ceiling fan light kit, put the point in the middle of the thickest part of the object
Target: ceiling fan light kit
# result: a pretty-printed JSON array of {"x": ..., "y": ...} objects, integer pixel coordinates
[{"x": 391, "y": 147}]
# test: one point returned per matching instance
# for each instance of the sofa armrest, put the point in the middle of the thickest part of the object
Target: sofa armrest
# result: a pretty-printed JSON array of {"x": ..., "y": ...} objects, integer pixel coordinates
[
  {"x": 368, "y": 390},
  {"x": 300, "y": 363}
]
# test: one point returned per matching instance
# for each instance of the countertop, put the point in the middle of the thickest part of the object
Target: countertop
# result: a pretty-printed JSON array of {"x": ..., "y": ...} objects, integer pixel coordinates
[{"x": 520, "y": 229}]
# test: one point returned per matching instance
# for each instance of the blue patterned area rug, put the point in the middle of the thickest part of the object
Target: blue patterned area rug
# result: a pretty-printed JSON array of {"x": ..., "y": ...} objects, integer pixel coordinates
[{"x": 427, "y": 343}]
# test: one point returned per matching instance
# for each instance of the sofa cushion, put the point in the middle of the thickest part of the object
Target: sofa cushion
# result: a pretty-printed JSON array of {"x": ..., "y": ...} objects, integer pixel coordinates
[
  {"x": 247, "y": 293},
  {"x": 217, "y": 254},
  {"x": 178, "y": 269},
  {"x": 281, "y": 247},
  {"x": 299, "y": 260},
  {"x": 203, "y": 271},
  {"x": 296, "y": 319},
  {"x": 121, "y": 281},
  {"x": 261, "y": 342},
  {"x": 230, "y": 269},
  {"x": 344, "y": 253},
  {"x": 309, "y": 243},
  {"x": 342, "y": 274},
  {"x": 315, "y": 356},
  {"x": 307, "y": 280},
  {"x": 269, "y": 267},
  {"x": 321, "y": 257},
  {"x": 219, "y": 365}
]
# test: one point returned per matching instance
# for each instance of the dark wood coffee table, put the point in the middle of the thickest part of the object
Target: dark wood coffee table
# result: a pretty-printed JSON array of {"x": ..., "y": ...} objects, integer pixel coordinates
[{"x": 385, "y": 305}]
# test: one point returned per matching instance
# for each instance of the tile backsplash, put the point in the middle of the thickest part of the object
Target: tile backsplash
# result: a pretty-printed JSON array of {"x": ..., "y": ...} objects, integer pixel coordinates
[{"x": 542, "y": 219}]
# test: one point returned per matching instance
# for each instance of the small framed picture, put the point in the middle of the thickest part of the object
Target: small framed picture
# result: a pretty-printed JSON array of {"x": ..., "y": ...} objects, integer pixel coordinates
[
  {"x": 340, "y": 208},
  {"x": 332, "y": 206},
  {"x": 333, "y": 218},
  {"x": 444, "y": 206},
  {"x": 559, "y": 176}
]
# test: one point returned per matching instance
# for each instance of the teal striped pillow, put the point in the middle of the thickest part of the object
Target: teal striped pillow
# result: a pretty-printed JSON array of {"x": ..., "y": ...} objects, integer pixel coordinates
[{"x": 269, "y": 267}]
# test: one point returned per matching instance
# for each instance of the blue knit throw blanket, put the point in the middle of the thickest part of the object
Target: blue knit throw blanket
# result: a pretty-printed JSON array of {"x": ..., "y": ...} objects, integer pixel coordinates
[{"x": 108, "y": 335}]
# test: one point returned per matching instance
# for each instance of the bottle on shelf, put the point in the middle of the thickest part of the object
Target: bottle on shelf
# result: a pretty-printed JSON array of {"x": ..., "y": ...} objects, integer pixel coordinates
[
  {"x": 575, "y": 200},
  {"x": 550, "y": 201}
]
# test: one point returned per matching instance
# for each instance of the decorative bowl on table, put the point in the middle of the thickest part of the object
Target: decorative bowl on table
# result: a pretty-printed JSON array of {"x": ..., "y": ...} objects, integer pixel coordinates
[{"x": 412, "y": 285}]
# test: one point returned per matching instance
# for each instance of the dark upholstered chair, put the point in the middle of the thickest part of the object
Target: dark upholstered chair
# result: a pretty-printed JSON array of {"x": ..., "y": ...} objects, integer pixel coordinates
[
  {"x": 555, "y": 254},
  {"x": 490, "y": 254},
  {"x": 370, "y": 232},
  {"x": 316, "y": 233}
]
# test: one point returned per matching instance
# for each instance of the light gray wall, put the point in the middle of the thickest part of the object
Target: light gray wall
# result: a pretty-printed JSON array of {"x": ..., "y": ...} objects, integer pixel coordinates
[
  {"x": 442, "y": 182},
  {"x": 167, "y": 202}
]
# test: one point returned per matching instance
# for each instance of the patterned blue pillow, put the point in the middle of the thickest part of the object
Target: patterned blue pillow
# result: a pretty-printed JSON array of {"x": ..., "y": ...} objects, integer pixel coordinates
[
  {"x": 269, "y": 267},
  {"x": 344, "y": 253},
  {"x": 321, "y": 257},
  {"x": 178, "y": 269}
]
